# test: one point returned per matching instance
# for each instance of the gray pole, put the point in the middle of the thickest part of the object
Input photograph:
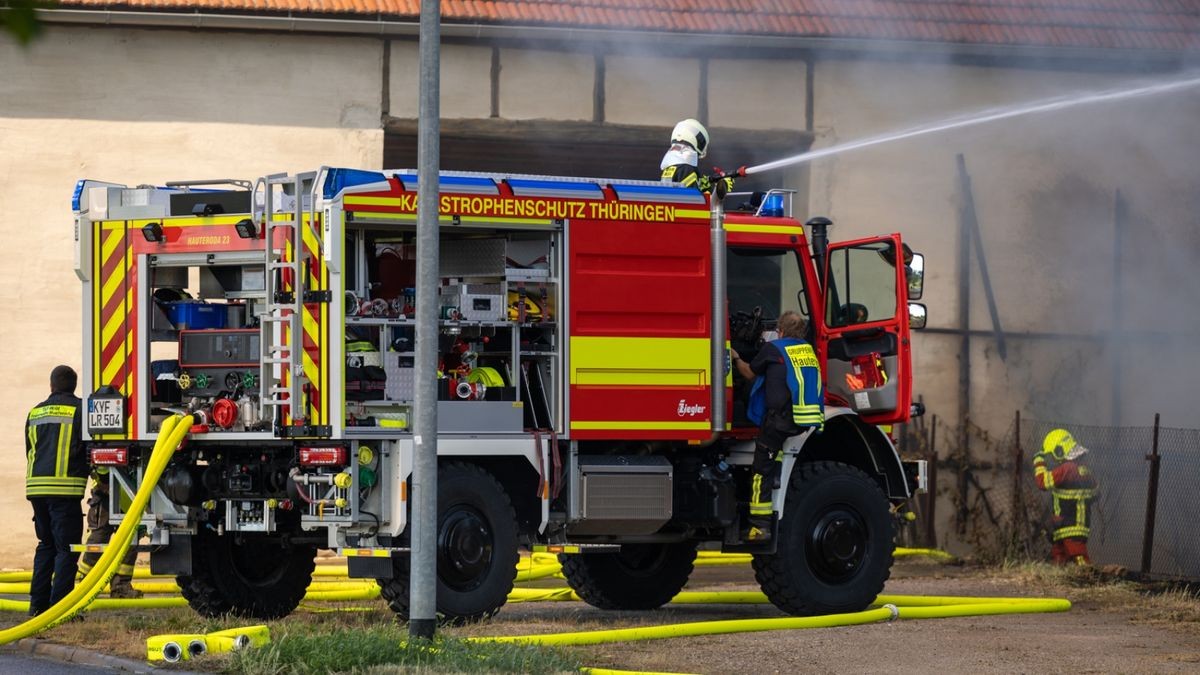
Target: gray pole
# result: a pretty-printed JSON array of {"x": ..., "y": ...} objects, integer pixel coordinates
[{"x": 422, "y": 591}]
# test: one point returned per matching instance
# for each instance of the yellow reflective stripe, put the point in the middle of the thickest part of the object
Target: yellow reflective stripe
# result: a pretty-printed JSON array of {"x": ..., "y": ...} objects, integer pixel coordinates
[
  {"x": 1046, "y": 474},
  {"x": 689, "y": 181},
  {"x": 669, "y": 173},
  {"x": 29, "y": 456},
  {"x": 638, "y": 424},
  {"x": 373, "y": 201},
  {"x": 695, "y": 213},
  {"x": 664, "y": 362},
  {"x": 1073, "y": 531},
  {"x": 1081, "y": 493},
  {"x": 63, "y": 449},
  {"x": 125, "y": 570},
  {"x": 763, "y": 229}
]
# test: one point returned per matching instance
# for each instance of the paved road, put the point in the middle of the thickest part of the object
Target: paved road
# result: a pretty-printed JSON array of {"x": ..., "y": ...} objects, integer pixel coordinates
[{"x": 31, "y": 665}]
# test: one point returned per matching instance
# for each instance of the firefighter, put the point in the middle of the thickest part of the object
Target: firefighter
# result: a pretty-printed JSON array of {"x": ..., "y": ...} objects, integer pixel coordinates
[
  {"x": 786, "y": 400},
  {"x": 689, "y": 143},
  {"x": 1059, "y": 470},
  {"x": 55, "y": 476},
  {"x": 100, "y": 530}
]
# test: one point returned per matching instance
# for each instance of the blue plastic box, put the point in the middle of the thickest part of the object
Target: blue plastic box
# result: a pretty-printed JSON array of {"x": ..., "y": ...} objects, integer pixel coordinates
[{"x": 193, "y": 315}]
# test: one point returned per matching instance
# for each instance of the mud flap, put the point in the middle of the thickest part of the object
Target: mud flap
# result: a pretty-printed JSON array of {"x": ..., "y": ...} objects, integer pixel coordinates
[{"x": 174, "y": 559}]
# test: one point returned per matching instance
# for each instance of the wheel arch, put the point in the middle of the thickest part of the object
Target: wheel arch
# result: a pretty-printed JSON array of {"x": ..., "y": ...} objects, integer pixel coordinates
[
  {"x": 848, "y": 439},
  {"x": 519, "y": 479}
]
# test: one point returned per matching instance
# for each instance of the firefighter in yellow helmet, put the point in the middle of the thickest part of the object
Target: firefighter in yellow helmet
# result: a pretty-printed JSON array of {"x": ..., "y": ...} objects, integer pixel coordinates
[
  {"x": 1059, "y": 469},
  {"x": 689, "y": 144}
]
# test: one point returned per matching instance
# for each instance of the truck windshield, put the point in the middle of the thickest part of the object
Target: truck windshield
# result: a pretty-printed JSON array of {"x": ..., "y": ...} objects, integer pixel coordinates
[
  {"x": 756, "y": 279},
  {"x": 862, "y": 285}
]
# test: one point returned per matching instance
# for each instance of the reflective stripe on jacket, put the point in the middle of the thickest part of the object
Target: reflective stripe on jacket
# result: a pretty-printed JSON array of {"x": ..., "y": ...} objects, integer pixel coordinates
[
  {"x": 804, "y": 381},
  {"x": 55, "y": 462}
]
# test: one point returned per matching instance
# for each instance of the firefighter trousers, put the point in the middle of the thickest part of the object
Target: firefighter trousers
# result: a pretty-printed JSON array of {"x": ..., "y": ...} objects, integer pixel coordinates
[
  {"x": 100, "y": 531},
  {"x": 58, "y": 524},
  {"x": 1070, "y": 551}
]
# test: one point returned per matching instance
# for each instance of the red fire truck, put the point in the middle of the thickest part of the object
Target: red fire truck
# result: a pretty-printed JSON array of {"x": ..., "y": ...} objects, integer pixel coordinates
[{"x": 586, "y": 400}]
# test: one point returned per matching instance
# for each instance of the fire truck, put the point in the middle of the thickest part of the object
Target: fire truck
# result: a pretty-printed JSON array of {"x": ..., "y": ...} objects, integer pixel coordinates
[{"x": 586, "y": 403}]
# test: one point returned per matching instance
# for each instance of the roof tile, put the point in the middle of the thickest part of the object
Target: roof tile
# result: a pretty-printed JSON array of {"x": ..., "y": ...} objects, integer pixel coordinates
[{"x": 1125, "y": 24}]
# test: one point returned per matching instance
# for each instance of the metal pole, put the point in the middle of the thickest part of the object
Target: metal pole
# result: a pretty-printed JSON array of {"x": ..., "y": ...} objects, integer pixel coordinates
[
  {"x": 964, "y": 355},
  {"x": 931, "y": 512},
  {"x": 1115, "y": 345},
  {"x": 1151, "y": 503},
  {"x": 1018, "y": 496},
  {"x": 718, "y": 353},
  {"x": 422, "y": 591}
]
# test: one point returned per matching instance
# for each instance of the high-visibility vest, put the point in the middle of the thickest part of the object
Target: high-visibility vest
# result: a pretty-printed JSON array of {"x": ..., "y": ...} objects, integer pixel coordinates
[
  {"x": 804, "y": 382},
  {"x": 56, "y": 465}
]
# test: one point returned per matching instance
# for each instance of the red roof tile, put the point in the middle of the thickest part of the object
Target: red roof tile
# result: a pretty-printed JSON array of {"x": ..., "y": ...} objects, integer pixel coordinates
[{"x": 1129, "y": 24}]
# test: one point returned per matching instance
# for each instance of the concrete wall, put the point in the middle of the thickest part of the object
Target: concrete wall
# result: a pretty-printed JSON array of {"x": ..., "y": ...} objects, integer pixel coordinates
[{"x": 144, "y": 107}]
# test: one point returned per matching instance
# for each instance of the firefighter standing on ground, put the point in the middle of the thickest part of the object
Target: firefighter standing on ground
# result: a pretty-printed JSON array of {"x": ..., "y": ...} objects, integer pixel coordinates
[
  {"x": 100, "y": 530},
  {"x": 787, "y": 399},
  {"x": 689, "y": 143},
  {"x": 1059, "y": 470},
  {"x": 55, "y": 476}
]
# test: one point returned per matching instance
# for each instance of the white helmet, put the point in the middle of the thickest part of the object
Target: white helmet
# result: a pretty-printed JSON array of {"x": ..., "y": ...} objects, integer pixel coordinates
[{"x": 693, "y": 133}]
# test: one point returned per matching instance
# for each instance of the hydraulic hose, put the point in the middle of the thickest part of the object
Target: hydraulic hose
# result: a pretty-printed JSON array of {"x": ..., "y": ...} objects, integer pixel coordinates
[{"x": 170, "y": 436}]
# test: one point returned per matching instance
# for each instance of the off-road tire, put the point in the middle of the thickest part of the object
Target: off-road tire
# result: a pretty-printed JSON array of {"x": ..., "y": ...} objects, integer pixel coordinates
[
  {"x": 639, "y": 576},
  {"x": 476, "y": 549},
  {"x": 257, "y": 578},
  {"x": 835, "y": 542}
]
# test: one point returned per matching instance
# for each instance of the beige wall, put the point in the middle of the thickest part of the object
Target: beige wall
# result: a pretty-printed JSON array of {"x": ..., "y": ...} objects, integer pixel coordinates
[
  {"x": 143, "y": 107},
  {"x": 1044, "y": 188},
  {"x": 465, "y": 80}
]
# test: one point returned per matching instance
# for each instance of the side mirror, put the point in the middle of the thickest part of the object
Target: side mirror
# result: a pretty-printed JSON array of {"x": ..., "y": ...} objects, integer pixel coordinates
[
  {"x": 916, "y": 315},
  {"x": 916, "y": 276}
]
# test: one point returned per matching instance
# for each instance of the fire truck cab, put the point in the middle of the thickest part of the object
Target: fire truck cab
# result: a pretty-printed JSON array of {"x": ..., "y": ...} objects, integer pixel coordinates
[{"x": 586, "y": 400}]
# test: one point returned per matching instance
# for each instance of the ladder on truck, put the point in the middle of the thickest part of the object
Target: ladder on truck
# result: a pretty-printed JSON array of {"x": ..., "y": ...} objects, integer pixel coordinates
[{"x": 283, "y": 383}]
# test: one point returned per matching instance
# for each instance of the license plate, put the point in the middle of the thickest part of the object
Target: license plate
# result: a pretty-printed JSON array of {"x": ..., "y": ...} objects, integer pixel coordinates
[{"x": 106, "y": 415}]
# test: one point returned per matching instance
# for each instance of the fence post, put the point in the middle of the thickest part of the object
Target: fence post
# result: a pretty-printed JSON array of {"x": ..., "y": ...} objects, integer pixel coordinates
[
  {"x": 1151, "y": 502},
  {"x": 1018, "y": 462},
  {"x": 931, "y": 495}
]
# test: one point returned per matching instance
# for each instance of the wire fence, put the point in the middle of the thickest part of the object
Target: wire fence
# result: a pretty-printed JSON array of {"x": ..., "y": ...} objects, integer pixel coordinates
[{"x": 1144, "y": 517}]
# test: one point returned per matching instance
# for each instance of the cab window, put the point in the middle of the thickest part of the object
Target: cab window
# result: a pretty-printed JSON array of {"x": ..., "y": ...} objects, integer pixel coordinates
[{"x": 861, "y": 285}]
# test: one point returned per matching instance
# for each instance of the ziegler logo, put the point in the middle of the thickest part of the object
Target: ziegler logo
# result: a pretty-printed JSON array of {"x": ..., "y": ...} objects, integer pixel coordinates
[{"x": 686, "y": 410}]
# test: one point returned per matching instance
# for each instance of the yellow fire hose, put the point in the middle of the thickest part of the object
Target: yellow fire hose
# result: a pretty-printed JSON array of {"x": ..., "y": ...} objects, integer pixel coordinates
[{"x": 170, "y": 436}]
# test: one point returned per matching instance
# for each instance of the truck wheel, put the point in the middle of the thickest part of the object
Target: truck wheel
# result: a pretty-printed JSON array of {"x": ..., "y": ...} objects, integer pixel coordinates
[
  {"x": 639, "y": 576},
  {"x": 835, "y": 542},
  {"x": 476, "y": 549},
  {"x": 256, "y": 578}
]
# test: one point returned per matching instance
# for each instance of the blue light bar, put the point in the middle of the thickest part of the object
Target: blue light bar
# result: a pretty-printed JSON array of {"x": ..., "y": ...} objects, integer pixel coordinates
[
  {"x": 78, "y": 195},
  {"x": 469, "y": 184}
]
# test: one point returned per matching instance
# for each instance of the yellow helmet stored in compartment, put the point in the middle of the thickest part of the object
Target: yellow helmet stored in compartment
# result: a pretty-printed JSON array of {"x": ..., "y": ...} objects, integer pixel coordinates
[{"x": 533, "y": 311}]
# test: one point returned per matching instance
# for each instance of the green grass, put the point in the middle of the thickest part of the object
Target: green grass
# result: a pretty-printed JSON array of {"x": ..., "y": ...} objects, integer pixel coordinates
[{"x": 388, "y": 649}]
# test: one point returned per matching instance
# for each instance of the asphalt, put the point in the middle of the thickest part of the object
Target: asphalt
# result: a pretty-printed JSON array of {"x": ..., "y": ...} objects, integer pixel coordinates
[{"x": 31, "y": 654}]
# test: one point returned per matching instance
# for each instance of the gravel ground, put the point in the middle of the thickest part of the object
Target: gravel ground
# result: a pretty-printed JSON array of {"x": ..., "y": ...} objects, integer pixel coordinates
[{"x": 1090, "y": 638}]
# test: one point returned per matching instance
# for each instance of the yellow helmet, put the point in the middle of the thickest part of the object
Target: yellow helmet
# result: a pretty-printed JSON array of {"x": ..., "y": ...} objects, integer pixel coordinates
[
  {"x": 1059, "y": 443},
  {"x": 533, "y": 311}
]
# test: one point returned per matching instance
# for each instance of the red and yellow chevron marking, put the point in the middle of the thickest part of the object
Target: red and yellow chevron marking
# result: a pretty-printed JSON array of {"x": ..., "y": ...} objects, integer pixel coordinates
[
  {"x": 314, "y": 323},
  {"x": 114, "y": 313}
]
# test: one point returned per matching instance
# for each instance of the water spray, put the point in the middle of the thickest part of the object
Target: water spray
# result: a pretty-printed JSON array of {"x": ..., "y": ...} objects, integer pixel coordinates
[{"x": 991, "y": 115}]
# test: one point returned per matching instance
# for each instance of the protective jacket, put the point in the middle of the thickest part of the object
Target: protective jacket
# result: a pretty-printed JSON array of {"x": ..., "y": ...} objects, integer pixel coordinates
[
  {"x": 1073, "y": 487},
  {"x": 56, "y": 465},
  {"x": 803, "y": 380},
  {"x": 679, "y": 166}
]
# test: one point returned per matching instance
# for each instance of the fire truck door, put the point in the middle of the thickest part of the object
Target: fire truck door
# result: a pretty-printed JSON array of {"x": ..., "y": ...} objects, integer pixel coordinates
[{"x": 865, "y": 337}]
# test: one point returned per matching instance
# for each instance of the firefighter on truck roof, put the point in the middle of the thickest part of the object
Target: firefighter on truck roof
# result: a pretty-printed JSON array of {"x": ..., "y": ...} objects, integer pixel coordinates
[
  {"x": 1058, "y": 469},
  {"x": 689, "y": 143}
]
